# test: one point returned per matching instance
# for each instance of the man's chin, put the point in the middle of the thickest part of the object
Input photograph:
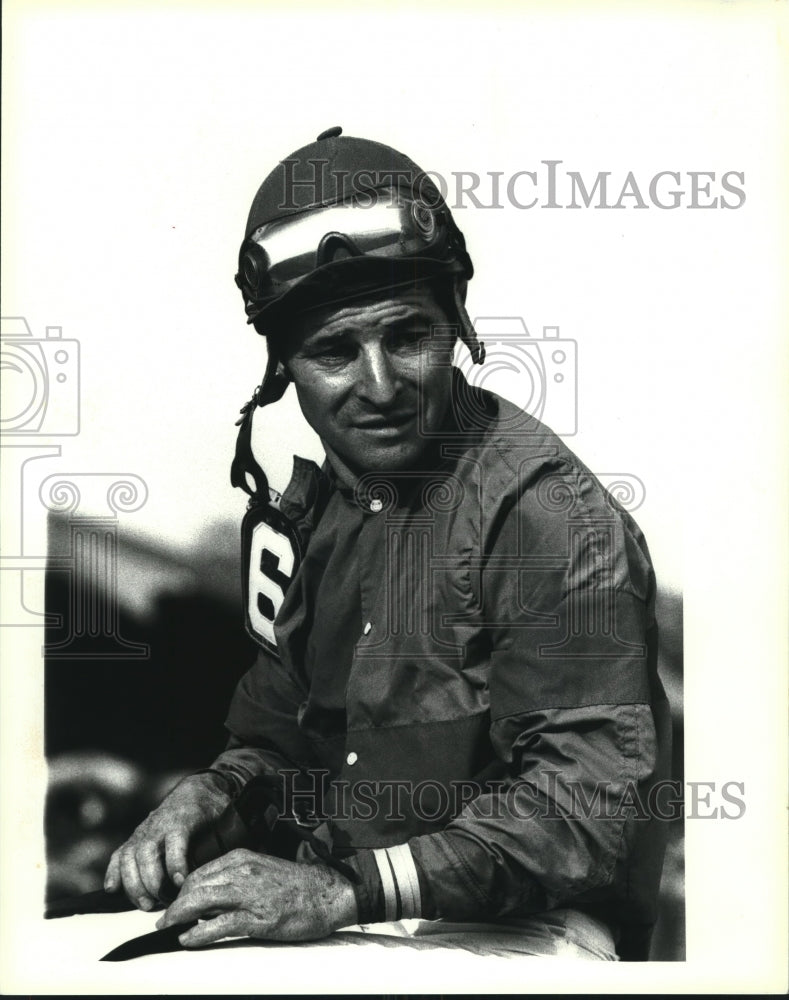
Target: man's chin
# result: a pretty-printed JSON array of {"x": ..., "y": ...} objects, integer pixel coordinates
[{"x": 395, "y": 456}]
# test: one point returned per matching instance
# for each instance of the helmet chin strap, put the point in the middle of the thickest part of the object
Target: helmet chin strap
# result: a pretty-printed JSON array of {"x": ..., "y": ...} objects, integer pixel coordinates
[
  {"x": 467, "y": 332},
  {"x": 274, "y": 383},
  {"x": 244, "y": 464}
]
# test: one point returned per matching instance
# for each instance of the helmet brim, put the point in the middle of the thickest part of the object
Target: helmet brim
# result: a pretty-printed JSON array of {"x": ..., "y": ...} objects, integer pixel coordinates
[{"x": 350, "y": 279}]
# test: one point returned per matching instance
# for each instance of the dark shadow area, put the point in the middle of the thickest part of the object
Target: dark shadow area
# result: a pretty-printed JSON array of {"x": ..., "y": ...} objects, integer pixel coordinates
[{"x": 164, "y": 711}]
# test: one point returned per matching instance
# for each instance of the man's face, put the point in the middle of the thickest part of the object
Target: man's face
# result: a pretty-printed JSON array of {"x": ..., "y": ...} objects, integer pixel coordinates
[{"x": 364, "y": 381}]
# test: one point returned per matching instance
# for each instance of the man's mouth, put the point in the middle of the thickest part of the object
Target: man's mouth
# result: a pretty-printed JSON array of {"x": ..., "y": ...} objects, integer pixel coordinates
[{"x": 390, "y": 422}]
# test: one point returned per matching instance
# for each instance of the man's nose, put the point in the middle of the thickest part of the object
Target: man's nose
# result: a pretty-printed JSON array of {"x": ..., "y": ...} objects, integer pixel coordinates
[{"x": 380, "y": 382}]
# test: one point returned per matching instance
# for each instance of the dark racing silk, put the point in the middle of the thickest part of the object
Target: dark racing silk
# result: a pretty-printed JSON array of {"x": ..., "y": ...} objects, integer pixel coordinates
[{"x": 466, "y": 663}]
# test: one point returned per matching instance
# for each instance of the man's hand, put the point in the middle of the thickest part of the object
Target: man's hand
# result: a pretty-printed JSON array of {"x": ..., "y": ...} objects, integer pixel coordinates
[
  {"x": 157, "y": 848},
  {"x": 255, "y": 895}
]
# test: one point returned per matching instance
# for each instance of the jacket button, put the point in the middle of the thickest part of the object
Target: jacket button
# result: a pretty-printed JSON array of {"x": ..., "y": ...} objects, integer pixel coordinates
[
  {"x": 351, "y": 758},
  {"x": 376, "y": 506}
]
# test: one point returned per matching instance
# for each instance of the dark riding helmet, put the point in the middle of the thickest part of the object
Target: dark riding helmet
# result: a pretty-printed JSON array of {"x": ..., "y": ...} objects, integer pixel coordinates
[{"x": 340, "y": 218}]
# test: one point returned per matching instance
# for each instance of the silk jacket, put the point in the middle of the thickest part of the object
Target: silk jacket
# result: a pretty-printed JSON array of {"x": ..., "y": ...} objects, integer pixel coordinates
[{"x": 503, "y": 716}]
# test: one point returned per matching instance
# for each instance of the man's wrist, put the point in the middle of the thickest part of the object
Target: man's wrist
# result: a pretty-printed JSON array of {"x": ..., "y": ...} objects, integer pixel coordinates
[
  {"x": 345, "y": 910},
  {"x": 389, "y": 886},
  {"x": 219, "y": 780}
]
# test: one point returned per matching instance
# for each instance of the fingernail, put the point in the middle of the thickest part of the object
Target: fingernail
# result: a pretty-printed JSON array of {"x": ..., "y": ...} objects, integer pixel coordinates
[
  {"x": 144, "y": 903},
  {"x": 178, "y": 878},
  {"x": 159, "y": 923}
]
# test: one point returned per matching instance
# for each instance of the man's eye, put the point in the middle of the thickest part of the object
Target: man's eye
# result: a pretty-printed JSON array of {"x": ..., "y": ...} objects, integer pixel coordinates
[
  {"x": 332, "y": 353},
  {"x": 408, "y": 338}
]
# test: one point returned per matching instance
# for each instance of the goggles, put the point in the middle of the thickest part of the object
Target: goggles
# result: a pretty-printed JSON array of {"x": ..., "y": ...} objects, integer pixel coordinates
[{"x": 385, "y": 224}]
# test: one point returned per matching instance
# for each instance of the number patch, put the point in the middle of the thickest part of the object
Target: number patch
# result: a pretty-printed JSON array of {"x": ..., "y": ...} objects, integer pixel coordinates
[{"x": 271, "y": 558}]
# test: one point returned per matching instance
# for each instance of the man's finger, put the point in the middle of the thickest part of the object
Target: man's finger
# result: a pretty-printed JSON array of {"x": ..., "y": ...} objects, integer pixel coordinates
[
  {"x": 149, "y": 865},
  {"x": 112, "y": 878},
  {"x": 132, "y": 883},
  {"x": 203, "y": 901},
  {"x": 209, "y": 931},
  {"x": 175, "y": 856}
]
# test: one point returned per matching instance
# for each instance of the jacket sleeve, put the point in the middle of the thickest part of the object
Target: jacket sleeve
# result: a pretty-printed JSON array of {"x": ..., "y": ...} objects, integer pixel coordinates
[
  {"x": 264, "y": 737},
  {"x": 568, "y": 591}
]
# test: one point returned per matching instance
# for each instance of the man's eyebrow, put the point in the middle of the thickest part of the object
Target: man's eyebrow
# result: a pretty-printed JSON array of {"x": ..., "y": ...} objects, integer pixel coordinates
[
  {"x": 325, "y": 338},
  {"x": 408, "y": 314}
]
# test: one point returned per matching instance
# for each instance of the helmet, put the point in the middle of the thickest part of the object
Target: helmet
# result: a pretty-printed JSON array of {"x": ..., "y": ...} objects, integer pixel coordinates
[{"x": 337, "y": 219}]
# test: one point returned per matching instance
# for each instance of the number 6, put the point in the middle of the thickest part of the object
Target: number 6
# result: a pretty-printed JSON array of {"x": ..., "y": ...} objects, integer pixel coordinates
[{"x": 265, "y": 594}]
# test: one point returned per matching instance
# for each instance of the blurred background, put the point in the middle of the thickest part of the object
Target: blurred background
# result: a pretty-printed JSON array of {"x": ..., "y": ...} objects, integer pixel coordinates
[{"x": 136, "y": 138}]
